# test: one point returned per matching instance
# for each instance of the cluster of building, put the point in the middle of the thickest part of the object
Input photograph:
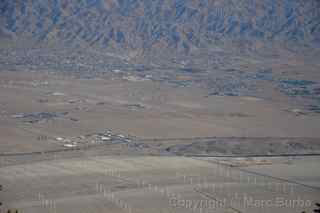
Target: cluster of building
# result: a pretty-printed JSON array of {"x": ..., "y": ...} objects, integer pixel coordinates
[{"x": 106, "y": 136}]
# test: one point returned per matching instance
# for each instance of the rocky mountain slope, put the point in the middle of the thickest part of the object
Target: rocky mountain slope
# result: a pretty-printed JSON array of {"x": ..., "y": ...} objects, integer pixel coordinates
[{"x": 140, "y": 25}]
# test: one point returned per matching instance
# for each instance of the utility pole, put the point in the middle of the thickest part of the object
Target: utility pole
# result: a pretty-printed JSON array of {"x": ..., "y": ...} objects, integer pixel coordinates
[{"x": 0, "y": 200}]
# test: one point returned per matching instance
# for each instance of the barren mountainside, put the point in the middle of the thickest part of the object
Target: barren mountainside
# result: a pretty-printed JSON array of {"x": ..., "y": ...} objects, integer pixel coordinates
[{"x": 182, "y": 25}]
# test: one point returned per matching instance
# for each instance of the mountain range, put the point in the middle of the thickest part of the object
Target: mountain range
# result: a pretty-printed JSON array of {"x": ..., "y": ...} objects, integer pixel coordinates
[{"x": 181, "y": 26}]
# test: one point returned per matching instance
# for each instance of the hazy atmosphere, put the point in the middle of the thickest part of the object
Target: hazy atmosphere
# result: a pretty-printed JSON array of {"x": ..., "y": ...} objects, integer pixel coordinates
[{"x": 158, "y": 106}]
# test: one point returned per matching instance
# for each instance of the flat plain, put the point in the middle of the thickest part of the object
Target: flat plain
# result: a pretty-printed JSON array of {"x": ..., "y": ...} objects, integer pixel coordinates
[{"x": 110, "y": 144}]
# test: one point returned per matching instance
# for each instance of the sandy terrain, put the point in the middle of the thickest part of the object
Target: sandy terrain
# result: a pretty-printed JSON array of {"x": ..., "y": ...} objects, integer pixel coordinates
[
  {"x": 84, "y": 145},
  {"x": 143, "y": 109},
  {"x": 146, "y": 184},
  {"x": 294, "y": 169}
]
